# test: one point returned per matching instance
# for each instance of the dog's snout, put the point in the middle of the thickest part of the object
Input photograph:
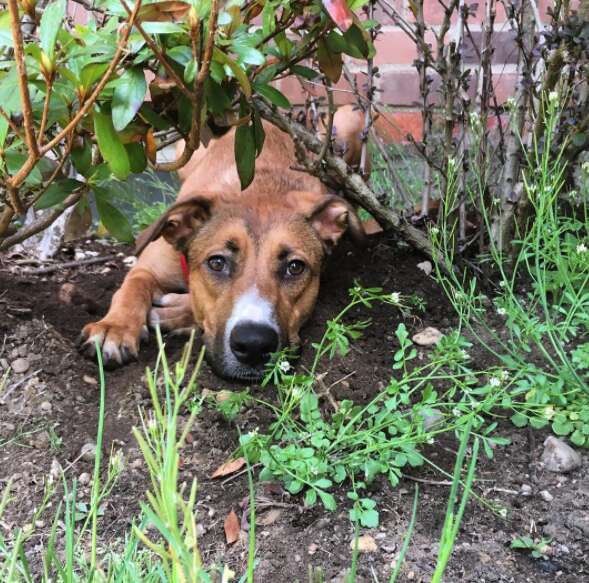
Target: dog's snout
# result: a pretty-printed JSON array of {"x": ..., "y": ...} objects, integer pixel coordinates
[{"x": 253, "y": 343}]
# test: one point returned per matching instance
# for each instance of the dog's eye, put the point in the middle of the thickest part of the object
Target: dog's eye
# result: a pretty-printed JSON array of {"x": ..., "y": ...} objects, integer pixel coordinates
[
  {"x": 295, "y": 267},
  {"x": 217, "y": 262}
]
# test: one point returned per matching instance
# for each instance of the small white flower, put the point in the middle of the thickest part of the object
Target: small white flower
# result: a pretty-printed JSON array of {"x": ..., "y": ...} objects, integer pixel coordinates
[
  {"x": 395, "y": 298},
  {"x": 434, "y": 230},
  {"x": 496, "y": 200},
  {"x": 254, "y": 432},
  {"x": 451, "y": 162},
  {"x": 581, "y": 248},
  {"x": 549, "y": 412},
  {"x": 502, "y": 283},
  {"x": 297, "y": 392},
  {"x": 503, "y": 376},
  {"x": 510, "y": 103},
  {"x": 464, "y": 354},
  {"x": 456, "y": 412},
  {"x": 585, "y": 167},
  {"x": 284, "y": 366},
  {"x": 495, "y": 382},
  {"x": 501, "y": 311},
  {"x": 553, "y": 97}
]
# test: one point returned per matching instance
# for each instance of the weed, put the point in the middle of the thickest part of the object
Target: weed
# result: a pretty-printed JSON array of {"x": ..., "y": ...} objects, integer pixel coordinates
[{"x": 538, "y": 548}]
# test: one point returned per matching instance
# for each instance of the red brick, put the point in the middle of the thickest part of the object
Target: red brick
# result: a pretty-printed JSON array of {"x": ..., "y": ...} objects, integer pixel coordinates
[
  {"x": 504, "y": 84},
  {"x": 394, "y": 126},
  {"x": 400, "y": 87},
  {"x": 434, "y": 12},
  {"x": 394, "y": 47},
  {"x": 504, "y": 47},
  {"x": 297, "y": 92},
  {"x": 77, "y": 13}
]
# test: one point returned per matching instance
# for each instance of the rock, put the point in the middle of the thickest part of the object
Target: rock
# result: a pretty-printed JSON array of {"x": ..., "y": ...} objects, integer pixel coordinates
[
  {"x": 546, "y": 496},
  {"x": 313, "y": 548},
  {"x": 526, "y": 490},
  {"x": 427, "y": 337},
  {"x": 130, "y": 261},
  {"x": 366, "y": 544},
  {"x": 84, "y": 479},
  {"x": 3, "y": 363},
  {"x": 20, "y": 365},
  {"x": 89, "y": 380},
  {"x": 88, "y": 451},
  {"x": 559, "y": 457},
  {"x": 431, "y": 418},
  {"x": 426, "y": 267},
  {"x": 46, "y": 407}
]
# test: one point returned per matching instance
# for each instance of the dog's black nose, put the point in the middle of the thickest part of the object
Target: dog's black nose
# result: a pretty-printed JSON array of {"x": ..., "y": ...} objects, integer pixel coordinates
[{"x": 253, "y": 343}]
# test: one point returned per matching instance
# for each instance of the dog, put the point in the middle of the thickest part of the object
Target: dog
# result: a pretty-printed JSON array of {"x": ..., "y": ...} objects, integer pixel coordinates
[{"x": 244, "y": 266}]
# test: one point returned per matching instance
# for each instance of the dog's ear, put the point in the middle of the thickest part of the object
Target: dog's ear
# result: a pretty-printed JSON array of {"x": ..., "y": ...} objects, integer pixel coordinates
[
  {"x": 178, "y": 224},
  {"x": 332, "y": 218}
]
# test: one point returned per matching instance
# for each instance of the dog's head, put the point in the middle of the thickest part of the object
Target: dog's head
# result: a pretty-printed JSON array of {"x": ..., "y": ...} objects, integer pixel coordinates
[{"x": 254, "y": 265}]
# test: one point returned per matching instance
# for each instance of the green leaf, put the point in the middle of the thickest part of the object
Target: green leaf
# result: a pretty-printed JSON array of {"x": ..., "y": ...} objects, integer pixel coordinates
[
  {"x": 50, "y": 26},
  {"x": 249, "y": 55},
  {"x": 190, "y": 71},
  {"x": 272, "y": 94},
  {"x": 330, "y": 63},
  {"x": 110, "y": 145},
  {"x": 356, "y": 43},
  {"x": 162, "y": 27},
  {"x": 91, "y": 73},
  {"x": 237, "y": 71},
  {"x": 82, "y": 158},
  {"x": 304, "y": 72},
  {"x": 128, "y": 97},
  {"x": 259, "y": 133},
  {"x": 310, "y": 497},
  {"x": 137, "y": 158},
  {"x": 369, "y": 519},
  {"x": 327, "y": 499},
  {"x": 519, "y": 420},
  {"x": 245, "y": 154},
  {"x": 5, "y": 32},
  {"x": 57, "y": 193},
  {"x": 112, "y": 218},
  {"x": 3, "y": 130}
]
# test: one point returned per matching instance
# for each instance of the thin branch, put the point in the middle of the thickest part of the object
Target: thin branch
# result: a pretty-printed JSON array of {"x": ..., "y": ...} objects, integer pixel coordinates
[
  {"x": 353, "y": 184},
  {"x": 11, "y": 123},
  {"x": 45, "y": 113},
  {"x": 193, "y": 141},
  {"x": 329, "y": 129},
  {"x": 42, "y": 222},
  {"x": 25, "y": 98},
  {"x": 160, "y": 56},
  {"x": 119, "y": 53}
]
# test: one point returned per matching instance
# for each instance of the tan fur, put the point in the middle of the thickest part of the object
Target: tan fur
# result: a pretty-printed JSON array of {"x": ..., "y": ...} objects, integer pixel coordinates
[{"x": 283, "y": 214}]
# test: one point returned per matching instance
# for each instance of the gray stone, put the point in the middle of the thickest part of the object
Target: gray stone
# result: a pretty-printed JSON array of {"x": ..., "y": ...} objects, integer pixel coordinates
[
  {"x": 559, "y": 457},
  {"x": 20, "y": 365}
]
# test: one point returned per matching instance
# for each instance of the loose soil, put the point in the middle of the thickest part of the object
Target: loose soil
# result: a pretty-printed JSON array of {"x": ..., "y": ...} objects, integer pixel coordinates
[{"x": 48, "y": 412}]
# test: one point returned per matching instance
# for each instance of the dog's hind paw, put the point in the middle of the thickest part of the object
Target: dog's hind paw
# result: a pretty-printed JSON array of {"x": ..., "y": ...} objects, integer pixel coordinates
[{"x": 119, "y": 344}]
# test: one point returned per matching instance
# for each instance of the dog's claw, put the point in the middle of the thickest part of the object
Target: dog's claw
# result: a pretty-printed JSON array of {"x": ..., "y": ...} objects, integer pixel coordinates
[{"x": 118, "y": 343}]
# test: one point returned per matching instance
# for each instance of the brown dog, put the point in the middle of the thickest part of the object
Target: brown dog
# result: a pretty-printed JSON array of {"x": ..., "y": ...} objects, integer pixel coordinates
[{"x": 251, "y": 258}]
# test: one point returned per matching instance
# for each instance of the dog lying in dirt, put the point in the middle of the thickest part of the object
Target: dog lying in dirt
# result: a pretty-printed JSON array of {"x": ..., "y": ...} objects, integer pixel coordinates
[{"x": 248, "y": 262}]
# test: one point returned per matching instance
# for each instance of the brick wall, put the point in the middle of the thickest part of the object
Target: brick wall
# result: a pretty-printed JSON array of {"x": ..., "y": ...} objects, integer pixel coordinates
[{"x": 398, "y": 83}]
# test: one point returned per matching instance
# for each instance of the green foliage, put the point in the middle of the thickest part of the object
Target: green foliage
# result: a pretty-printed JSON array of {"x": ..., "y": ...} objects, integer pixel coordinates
[
  {"x": 65, "y": 64},
  {"x": 541, "y": 299},
  {"x": 537, "y": 547}
]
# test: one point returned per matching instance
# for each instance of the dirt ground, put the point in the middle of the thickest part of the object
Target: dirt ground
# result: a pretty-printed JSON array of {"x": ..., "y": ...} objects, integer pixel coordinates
[{"x": 49, "y": 411}]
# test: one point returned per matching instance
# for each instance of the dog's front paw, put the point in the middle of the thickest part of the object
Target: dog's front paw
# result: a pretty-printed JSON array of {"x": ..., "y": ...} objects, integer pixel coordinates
[
  {"x": 172, "y": 313},
  {"x": 119, "y": 343}
]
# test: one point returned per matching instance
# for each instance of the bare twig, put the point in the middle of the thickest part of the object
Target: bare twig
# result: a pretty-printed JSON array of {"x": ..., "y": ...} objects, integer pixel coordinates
[
  {"x": 69, "y": 265},
  {"x": 41, "y": 223},
  {"x": 193, "y": 141},
  {"x": 354, "y": 186}
]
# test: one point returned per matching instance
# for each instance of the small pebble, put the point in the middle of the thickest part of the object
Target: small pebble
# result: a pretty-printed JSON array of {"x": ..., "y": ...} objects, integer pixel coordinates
[
  {"x": 546, "y": 496},
  {"x": 426, "y": 267},
  {"x": 312, "y": 549},
  {"x": 526, "y": 490},
  {"x": 20, "y": 365},
  {"x": 366, "y": 544},
  {"x": 427, "y": 337},
  {"x": 84, "y": 479},
  {"x": 559, "y": 457},
  {"x": 88, "y": 452},
  {"x": 46, "y": 407}
]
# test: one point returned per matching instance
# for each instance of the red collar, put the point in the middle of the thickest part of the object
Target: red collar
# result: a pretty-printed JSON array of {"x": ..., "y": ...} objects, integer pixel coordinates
[{"x": 184, "y": 266}]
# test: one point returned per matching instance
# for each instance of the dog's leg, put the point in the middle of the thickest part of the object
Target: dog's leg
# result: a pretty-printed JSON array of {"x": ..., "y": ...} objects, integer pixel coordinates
[
  {"x": 172, "y": 313},
  {"x": 121, "y": 330}
]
